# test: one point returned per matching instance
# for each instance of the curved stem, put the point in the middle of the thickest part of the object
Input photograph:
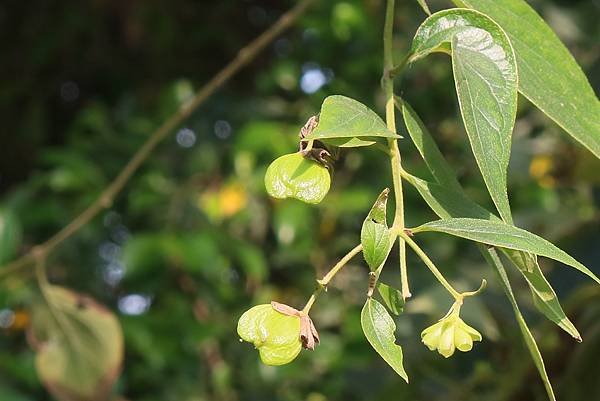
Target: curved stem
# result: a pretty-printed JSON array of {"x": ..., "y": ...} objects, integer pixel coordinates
[
  {"x": 244, "y": 56},
  {"x": 338, "y": 266},
  {"x": 430, "y": 265},
  {"x": 330, "y": 275},
  {"x": 395, "y": 159},
  {"x": 477, "y": 291},
  {"x": 311, "y": 301}
]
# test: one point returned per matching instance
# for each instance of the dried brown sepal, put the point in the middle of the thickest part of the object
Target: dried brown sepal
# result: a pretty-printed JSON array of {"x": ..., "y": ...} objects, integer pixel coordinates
[
  {"x": 309, "y": 127},
  {"x": 308, "y": 332},
  {"x": 285, "y": 309}
]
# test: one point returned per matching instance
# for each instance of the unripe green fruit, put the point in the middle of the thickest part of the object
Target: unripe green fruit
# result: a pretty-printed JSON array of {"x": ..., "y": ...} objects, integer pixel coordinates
[
  {"x": 294, "y": 176},
  {"x": 276, "y": 336}
]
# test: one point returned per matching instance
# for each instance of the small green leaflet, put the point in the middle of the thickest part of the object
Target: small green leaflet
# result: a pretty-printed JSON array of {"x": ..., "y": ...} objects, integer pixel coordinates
[
  {"x": 492, "y": 258},
  {"x": 449, "y": 200},
  {"x": 78, "y": 343},
  {"x": 346, "y": 122},
  {"x": 500, "y": 234},
  {"x": 375, "y": 235},
  {"x": 379, "y": 329},
  {"x": 548, "y": 74},
  {"x": 485, "y": 73},
  {"x": 392, "y": 298}
]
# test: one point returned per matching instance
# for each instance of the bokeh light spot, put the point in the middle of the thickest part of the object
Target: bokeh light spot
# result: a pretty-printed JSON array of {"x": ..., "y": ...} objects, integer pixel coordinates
[
  {"x": 134, "y": 304},
  {"x": 222, "y": 129},
  {"x": 186, "y": 138}
]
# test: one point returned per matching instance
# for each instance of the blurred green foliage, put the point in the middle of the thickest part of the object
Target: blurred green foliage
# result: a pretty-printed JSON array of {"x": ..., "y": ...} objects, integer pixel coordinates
[{"x": 193, "y": 241}]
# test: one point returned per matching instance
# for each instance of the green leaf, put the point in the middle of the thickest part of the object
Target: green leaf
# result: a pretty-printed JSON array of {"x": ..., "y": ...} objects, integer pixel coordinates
[
  {"x": 449, "y": 200},
  {"x": 492, "y": 258},
  {"x": 343, "y": 117},
  {"x": 392, "y": 298},
  {"x": 351, "y": 142},
  {"x": 446, "y": 202},
  {"x": 79, "y": 345},
  {"x": 379, "y": 328},
  {"x": 549, "y": 76},
  {"x": 10, "y": 235},
  {"x": 427, "y": 147},
  {"x": 297, "y": 177},
  {"x": 485, "y": 73},
  {"x": 500, "y": 234},
  {"x": 544, "y": 297},
  {"x": 375, "y": 235},
  {"x": 424, "y": 6}
]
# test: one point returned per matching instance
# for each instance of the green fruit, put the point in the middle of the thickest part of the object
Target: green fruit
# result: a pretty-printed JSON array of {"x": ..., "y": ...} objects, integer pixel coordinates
[
  {"x": 276, "y": 336},
  {"x": 294, "y": 176}
]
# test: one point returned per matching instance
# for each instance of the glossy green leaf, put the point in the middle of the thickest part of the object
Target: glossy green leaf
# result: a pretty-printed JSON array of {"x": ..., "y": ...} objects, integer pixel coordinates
[
  {"x": 375, "y": 235},
  {"x": 294, "y": 176},
  {"x": 343, "y": 117},
  {"x": 10, "y": 235},
  {"x": 379, "y": 328},
  {"x": 449, "y": 200},
  {"x": 549, "y": 76},
  {"x": 392, "y": 298},
  {"x": 492, "y": 258},
  {"x": 276, "y": 336},
  {"x": 79, "y": 345},
  {"x": 500, "y": 234},
  {"x": 485, "y": 73}
]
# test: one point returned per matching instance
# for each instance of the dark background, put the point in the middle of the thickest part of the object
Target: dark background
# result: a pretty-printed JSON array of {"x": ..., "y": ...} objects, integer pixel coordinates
[{"x": 193, "y": 240}]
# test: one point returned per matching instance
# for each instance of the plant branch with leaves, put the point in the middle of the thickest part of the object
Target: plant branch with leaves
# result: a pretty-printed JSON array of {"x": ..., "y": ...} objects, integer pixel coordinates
[
  {"x": 492, "y": 61},
  {"x": 498, "y": 49}
]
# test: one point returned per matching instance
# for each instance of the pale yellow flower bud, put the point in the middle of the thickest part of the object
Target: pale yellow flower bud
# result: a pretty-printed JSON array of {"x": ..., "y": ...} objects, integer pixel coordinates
[{"x": 449, "y": 334}]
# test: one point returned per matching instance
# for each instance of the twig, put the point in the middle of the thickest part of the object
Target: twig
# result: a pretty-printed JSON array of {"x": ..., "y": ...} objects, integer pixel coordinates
[
  {"x": 330, "y": 275},
  {"x": 394, "y": 151},
  {"x": 106, "y": 198}
]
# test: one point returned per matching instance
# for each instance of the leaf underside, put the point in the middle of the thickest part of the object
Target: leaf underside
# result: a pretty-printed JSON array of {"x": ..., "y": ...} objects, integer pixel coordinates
[{"x": 79, "y": 345}]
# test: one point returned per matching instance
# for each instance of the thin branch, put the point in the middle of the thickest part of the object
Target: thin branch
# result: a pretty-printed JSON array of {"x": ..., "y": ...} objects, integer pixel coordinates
[
  {"x": 394, "y": 151},
  {"x": 105, "y": 200},
  {"x": 335, "y": 269},
  {"x": 330, "y": 275},
  {"x": 431, "y": 266}
]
